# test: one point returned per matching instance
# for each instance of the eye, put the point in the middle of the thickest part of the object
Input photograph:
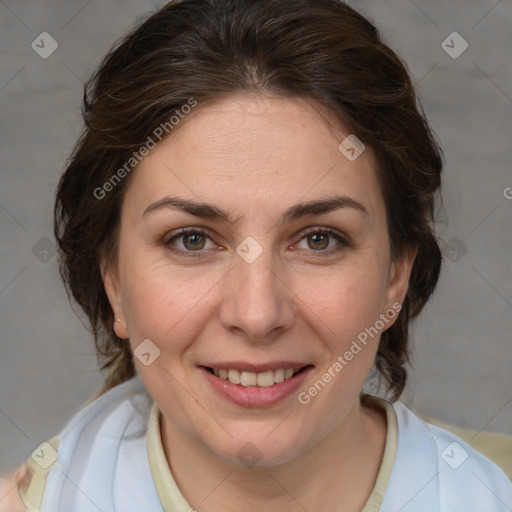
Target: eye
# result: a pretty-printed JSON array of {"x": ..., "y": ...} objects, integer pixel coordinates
[
  {"x": 191, "y": 240},
  {"x": 321, "y": 240},
  {"x": 195, "y": 240}
]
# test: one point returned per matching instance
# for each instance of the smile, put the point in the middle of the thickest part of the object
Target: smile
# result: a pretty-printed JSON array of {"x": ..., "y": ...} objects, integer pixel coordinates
[
  {"x": 263, "y": 379},
  {"x": 255, "y": 388}
]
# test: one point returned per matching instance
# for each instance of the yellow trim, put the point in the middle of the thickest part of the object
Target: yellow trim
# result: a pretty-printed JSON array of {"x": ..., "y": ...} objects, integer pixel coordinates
[
  {"x": 170, "y": 496},
  {"x": 388, "y": 459},
  {"x": 32, "y": 488},
  {"x": 173, "y": 501},
  {"x": 32, "y": 492}
]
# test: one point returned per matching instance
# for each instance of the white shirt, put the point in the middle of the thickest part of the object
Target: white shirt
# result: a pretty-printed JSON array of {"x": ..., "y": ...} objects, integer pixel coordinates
[{"x": 104, "y": 464}]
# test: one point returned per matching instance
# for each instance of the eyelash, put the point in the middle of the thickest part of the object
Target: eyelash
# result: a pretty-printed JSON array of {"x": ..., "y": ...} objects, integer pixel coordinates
[{"x": 343, "y": 241}]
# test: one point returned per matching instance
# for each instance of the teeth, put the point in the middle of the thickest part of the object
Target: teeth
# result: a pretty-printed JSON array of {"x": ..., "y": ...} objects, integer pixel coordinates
[
  {"x": 278, "y": 376},
  {"x": 248, "y": 378},
  {"x": 263, "y": 379},
  {"x": 233, "y": 376}
]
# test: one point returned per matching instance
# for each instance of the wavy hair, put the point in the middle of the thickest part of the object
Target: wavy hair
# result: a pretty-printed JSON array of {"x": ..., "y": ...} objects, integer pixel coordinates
[{"x": 320, "y": 50}]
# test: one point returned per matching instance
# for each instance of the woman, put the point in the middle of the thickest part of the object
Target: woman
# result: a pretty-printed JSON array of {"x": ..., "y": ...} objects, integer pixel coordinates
[{"x": 247, "y": 222}]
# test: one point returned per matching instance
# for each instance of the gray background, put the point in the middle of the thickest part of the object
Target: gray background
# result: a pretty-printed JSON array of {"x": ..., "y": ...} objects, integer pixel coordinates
[{"x": 463, "y": 341}]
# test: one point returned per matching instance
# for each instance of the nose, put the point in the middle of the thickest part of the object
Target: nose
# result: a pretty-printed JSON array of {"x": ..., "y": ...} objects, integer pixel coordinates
[{"x": 258, "y": 302}]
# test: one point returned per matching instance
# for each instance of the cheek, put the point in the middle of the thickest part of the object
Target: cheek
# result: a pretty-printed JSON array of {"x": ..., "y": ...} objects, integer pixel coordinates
[
  {"x": 164, "y": 306},
  {"x": 348, "y": 301},
  {"x": 347, "y": 309}
]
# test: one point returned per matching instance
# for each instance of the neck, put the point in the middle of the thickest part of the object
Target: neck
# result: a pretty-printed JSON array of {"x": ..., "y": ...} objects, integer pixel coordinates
[{"x": 338, "y": 473}]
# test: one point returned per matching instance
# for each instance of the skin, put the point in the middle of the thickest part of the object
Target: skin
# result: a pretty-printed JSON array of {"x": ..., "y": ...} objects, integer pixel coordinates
[
  {"x": 254, "y": 157},
  {"x": 10, "y": 500}
]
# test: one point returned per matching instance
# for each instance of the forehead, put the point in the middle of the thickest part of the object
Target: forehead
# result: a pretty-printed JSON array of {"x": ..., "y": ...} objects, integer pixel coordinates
[{"x": 255, "y": 153}]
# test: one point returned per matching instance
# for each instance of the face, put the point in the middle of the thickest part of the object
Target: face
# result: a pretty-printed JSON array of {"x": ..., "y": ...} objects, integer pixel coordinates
[{"x": 283, "y": 266}]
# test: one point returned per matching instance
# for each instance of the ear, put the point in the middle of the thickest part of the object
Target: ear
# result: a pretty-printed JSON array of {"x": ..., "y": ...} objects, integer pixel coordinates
[
  {"x": 111, "y": 284},
  {"x": 399, "y": 275}
]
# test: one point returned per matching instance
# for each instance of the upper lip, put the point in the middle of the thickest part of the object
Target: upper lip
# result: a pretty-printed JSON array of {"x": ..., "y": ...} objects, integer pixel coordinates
[{"x": 256, "y": 368}]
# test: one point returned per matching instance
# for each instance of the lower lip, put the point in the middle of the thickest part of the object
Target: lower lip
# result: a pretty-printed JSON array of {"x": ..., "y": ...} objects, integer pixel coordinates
[{"x": 256, "y": 396}]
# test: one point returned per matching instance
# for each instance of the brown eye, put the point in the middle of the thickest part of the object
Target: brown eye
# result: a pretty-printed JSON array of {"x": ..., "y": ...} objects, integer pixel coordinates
[
  {"x": 189, "y": 241},
  {"x": 318, "y": 241},
  {"x": 323, "y": 240},
  {"x": 193, "y": 241}
]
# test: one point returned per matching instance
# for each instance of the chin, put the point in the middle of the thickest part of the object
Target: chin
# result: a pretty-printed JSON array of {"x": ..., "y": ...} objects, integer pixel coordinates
[{"x": 257, "y": 450}]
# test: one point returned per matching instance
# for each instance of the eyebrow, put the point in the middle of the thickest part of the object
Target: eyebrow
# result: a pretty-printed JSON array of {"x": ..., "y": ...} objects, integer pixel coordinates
[{"x": 208, "y": 211}]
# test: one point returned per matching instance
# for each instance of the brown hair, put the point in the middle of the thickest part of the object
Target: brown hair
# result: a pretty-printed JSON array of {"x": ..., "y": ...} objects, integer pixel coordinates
[{"x": 319, "y": 50}]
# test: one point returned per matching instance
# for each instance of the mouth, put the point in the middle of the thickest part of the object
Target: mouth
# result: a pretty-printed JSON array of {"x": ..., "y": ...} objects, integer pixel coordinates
[
  {"x": 264, "y": 379},
  {"x": 264, "y": 388}
]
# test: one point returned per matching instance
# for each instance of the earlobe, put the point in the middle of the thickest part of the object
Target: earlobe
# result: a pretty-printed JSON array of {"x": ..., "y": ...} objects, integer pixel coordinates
[
  {"x": 399, "y": 276},
  {"x": 110, "y": 283}
]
